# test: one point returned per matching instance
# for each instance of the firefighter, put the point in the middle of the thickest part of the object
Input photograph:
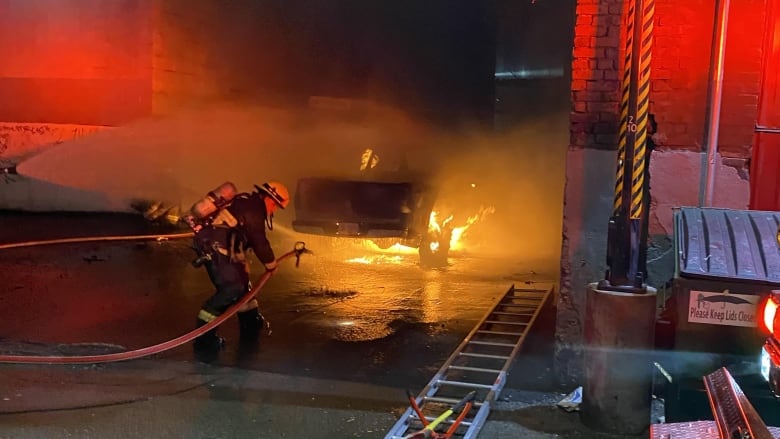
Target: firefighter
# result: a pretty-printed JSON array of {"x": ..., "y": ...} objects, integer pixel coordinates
[{"x": 226, "y": 226}]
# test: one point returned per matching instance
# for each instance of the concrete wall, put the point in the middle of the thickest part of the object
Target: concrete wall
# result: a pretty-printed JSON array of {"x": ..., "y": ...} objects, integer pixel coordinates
[
  {"x": 680, "y": 63},
  {"x": 222, "y": 67},
  {"x": 75, "y": 61},
  {"x": 19, "y": 141},
  {"x": 406, "y": 54}
]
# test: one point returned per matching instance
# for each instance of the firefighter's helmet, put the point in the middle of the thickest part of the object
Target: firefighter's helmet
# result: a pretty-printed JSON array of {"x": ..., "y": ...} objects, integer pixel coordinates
[{"x": 277, "y": 192}]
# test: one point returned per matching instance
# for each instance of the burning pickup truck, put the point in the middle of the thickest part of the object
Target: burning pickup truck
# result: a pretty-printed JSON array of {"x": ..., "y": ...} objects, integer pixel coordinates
[
  {"x": 386, "y": 212},
  {"x": 394, "y": 208}
]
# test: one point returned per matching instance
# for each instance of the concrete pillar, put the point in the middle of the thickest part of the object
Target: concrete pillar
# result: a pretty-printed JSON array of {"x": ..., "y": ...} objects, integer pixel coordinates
[{"x": 619, "y": 339}]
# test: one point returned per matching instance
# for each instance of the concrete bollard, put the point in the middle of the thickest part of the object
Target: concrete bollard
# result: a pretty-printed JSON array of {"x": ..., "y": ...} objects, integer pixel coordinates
[{"x": 618, "y": 360}]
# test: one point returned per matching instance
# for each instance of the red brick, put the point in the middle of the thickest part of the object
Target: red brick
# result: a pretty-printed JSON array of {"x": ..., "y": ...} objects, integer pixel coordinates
[
  {"x": 584, "y": 117},
  {"x": 584, "y": 41},
  {"x": 602, "y": 106},
  {"x": 592, "y": 9},
  {"x": 606, "y": 64},
  {"x": 611, "y": 53},
  {"x": 581, "y": 64},
  {"x": 608, "y": 41},
  {"x": 583, "y": 52},
  {"x": 578, "y": 84},
  {"x": 588, "y": 96},
  {"x": 582, "y": 74},
  {"x": 679, "y": 70},
  {"x": 611, "y": 74},
  {"x": 584, "y": 20},
  {"x": 611, "y": 117},
  {"x": 611, "y": 96},
  {"x": 603, "y": 85}
]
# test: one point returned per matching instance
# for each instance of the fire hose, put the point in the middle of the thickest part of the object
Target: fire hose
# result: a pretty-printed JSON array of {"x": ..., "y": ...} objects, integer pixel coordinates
[{"x": 300, "y": 248}]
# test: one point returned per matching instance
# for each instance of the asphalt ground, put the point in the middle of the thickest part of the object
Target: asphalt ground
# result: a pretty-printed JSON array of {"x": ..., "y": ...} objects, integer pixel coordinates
[{"x": 350, "y": 329}]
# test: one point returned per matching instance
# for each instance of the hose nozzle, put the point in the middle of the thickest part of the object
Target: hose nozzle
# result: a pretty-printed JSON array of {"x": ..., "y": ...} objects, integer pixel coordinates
[{"x": 299, "y": 249}]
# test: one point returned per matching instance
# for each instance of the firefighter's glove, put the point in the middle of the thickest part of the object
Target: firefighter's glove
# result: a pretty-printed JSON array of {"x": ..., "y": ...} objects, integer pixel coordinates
[{"x": 271, "y": 266}]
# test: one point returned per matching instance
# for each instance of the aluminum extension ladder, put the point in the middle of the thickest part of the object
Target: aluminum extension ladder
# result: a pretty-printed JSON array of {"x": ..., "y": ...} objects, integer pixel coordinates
[{"x": 479, "y": 363}]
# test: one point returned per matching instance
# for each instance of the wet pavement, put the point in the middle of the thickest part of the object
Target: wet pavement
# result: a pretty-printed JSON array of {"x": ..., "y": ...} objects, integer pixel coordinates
[{"x": 350, "y": 328}]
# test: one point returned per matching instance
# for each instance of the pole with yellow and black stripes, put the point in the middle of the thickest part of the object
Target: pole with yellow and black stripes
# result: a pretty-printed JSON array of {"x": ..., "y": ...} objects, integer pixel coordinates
[
  {"x": 626, "y": 254},
  {"x": 620, "y": 310}
]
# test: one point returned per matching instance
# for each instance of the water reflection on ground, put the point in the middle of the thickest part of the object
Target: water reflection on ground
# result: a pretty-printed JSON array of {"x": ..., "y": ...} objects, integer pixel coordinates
[{"x": 349, "y": 311}]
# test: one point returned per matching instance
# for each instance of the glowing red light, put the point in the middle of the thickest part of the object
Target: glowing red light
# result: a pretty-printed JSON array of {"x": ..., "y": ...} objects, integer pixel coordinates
[{"x": 768, "y": 313}]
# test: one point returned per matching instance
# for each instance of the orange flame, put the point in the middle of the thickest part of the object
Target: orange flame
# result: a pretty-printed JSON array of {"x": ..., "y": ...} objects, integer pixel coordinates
[
  {"x": 434, "y": 229},
  {"x": 456, "y": 239}
]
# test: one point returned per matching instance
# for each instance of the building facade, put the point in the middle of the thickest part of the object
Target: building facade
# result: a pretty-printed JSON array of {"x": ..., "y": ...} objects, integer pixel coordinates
[{"x": 680, "y": 70}]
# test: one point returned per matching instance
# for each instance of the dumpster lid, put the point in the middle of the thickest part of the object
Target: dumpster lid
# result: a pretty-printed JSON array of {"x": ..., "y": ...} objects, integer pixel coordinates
[{"x": 728, "y": 244}]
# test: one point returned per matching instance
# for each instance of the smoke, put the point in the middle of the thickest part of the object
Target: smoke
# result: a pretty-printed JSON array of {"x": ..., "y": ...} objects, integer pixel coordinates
[
  {"x": 520, "y": 174},
  {"x": 176, "y": 159}
]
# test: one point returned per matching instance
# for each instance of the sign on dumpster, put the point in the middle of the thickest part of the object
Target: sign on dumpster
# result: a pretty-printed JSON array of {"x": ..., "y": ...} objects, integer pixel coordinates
[{"x": 723, "y": 308}]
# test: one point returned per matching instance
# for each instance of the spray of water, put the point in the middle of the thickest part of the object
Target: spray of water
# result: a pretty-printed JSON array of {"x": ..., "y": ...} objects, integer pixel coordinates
[{"x": 177, "y": 158}]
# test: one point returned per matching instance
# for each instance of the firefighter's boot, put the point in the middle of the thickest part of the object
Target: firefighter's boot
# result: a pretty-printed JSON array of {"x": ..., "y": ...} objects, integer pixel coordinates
[
  {"x": 250, "y": 324},
  {"x": 208, "y": 345}
]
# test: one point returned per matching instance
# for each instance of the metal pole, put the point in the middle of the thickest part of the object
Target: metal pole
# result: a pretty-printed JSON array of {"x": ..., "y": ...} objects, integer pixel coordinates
[
  {"x": 624, "y": 249},
  {"x": 715, "y": 94},
  {"x": 618, "y": 327}
]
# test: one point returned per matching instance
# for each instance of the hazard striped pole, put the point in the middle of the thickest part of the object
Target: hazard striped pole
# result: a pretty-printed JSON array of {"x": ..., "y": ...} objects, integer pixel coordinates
[
  {"x": 618, "y": 329},
  {"x": 625, "y": 92},
  {"x": 624, "y": 244},
  {"x": 642, "y": 110}
]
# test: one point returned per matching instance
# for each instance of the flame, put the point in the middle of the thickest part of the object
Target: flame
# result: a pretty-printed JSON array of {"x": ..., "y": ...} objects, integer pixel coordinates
[
  {"x": 456, "y": 239},
  {"x": 393, "y": 254},
  {"x": 395, "y": 249},
  {"x": 381, "y": 259}
]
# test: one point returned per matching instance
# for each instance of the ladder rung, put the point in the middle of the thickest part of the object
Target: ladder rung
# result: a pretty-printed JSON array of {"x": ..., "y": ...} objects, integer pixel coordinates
[
  {"x": 498, "y": 322},
  {"x": 499, "y": 332},
  {"x": 464, "y": 384},
  {"x": 492, "y": 343},
  {"x": 519, "y": 314},
  {"x": 519, "y": 305},
  {"x": 452, "y": 401},
  {"x": 475, "y": 369},
  {"x": 446, "y": 421},
  {"x": 497, "y": 357},
  {"x": 533, "y": 306}
]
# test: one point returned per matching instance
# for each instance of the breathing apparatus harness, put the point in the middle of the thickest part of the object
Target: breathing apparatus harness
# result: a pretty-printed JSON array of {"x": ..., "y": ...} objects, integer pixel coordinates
[{"x": 237, "y": 243}]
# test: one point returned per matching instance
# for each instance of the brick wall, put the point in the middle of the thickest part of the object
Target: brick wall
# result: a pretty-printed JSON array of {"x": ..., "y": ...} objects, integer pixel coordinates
[
  {"x": 680, "y": 65},
  {"x": 683, "y": 35}
]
